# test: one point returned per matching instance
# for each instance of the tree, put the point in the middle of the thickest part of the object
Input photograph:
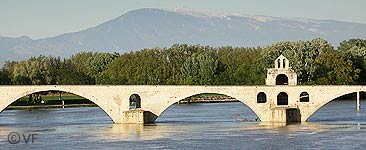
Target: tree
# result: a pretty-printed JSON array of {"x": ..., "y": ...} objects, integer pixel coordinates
[
  {"x": 33, "y": 70},
  {"x": 80, "y": 61},
  {"x": 355, "y": 50},
  {"x": 200, "y": 68},
  {"x": 330, "y": 72},
  {"x": 39, "y": 70},
  {"x": 98, "y": 64},
  {"x": 195, "y": 64},
  {"x": 8, "y": 70},
  {"x": 4, "y": 78},
  {"x": 237, "y": 66},
  {"x": 67, "y": 74},
  {"x": 176, "y": 56},
  {"x": 120, "y": 69}
]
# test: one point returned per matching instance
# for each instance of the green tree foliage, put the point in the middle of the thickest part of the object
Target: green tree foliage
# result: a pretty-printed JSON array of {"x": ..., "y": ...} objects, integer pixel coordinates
[
  {"x": 35, "y": 70},
  {"x": 6, "y": 73},
  {"x": 66, "y": 74},
  {"x": 355, "y": 50},
  {"x": 79, "y": 61},
  {"x": 331, "y": 72},
  {"x": 152, "y": 66},
  {"x": 97, "y": 64},
  {"x": 315, "y": 61},
  {"x": 136, "y": 68},
  {"x": 237, "y": 66},
  {"x": 176, "y": 56},
  {"x": 200, "y": 68},
  {"x": 8, "y": 69},
  {"x": 4, "y": 78},
  {"x": 45, "y": 70},
  {"x": 120, "y": 70}
]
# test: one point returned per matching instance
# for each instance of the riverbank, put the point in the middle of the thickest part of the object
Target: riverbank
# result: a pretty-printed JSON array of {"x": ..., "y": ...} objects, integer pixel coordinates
[
  {"x": 48, "y": 106},
  {"x": 51, "y": 101},
  {"x": 208, "y": 98}
]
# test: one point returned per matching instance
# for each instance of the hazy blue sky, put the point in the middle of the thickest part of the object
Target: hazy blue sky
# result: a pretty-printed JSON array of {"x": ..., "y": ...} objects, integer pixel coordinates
[{"x": 44, "y": 18}]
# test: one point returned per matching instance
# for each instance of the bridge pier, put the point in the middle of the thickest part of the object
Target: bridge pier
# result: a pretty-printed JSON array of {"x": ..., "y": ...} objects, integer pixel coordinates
[
  {"x": 358, "y": 102},
  {"x": 138, "y": 116},
  {"x": 285, "y": 115}
]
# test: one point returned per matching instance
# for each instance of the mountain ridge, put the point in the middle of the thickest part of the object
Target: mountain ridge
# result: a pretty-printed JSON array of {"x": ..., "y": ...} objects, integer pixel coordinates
[{"x": 150, "y": 27}]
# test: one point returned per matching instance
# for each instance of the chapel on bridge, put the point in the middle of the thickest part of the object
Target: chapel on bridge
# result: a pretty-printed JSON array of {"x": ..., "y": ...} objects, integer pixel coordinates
[{"x": 282, "y": 74}]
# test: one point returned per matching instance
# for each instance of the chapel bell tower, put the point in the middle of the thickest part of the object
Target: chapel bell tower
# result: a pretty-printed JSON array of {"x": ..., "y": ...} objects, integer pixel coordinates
[{"x": 282, "y": 74}]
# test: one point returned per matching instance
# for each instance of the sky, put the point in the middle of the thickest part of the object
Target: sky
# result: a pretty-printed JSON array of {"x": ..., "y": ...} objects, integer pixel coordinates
[{"x": 46, "y": 18}]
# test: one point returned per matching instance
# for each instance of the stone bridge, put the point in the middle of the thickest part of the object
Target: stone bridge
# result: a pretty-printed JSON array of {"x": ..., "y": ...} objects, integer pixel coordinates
[
  {"x": 269, "y": 103},
  {"x": 280, "y": 100}
]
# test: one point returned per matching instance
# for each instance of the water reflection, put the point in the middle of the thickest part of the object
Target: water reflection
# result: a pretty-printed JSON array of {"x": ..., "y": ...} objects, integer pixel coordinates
[
  {"x": 128, "y": 132},
  {"x": 340, "y": 111},
  {"x": 207, "y": 112},
  {"x": 4, "y": 130},
  {"x": 287, "y": 128},
  {"x": 198, "y": 126}
]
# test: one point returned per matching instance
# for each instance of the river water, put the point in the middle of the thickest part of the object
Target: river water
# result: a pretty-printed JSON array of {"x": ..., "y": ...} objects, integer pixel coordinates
[{"x": 195, "y": 126}]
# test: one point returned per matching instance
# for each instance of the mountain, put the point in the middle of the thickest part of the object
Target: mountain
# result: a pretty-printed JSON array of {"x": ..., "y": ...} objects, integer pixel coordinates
[{"x": 146, "y": 28}]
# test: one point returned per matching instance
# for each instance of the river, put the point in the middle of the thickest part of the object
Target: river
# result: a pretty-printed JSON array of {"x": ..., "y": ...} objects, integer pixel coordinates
[{"x": 195, "y": 126}]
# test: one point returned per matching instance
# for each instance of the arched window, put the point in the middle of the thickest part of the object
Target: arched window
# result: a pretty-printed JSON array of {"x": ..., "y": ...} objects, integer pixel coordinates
[
  {"x": 282, "y": 98},
  {"x": 135, "y": 101},
  {"x": 281, "y": 79},
  {"x": 304, "y": 97},
  {"x": 261, "y": 97},
  {"x": 284, "y": 63},
  {"x": 278, "y": 63}
]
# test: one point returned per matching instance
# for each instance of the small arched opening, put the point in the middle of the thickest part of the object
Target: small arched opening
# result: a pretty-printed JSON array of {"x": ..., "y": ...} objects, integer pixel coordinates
[
  {"x": 261, "y": 97},
  {"x": 281, "y": 79},
  {"x": 282, "y": 98},
  {"x": 304, "y": 97},
  {"x": 135, "y": 101}
]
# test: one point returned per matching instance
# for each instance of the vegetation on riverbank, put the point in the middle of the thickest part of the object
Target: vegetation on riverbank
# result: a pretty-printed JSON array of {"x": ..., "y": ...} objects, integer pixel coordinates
[
  {"x": 50, "y": 99},
  {"x": 208, "y": 98},
  {"x": 315, "y": 61},
  {"x": 32, "y": 107}
]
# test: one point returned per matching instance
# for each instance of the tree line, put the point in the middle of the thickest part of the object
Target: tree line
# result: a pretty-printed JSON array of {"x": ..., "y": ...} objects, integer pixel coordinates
[{"x": 315, "y": 61}]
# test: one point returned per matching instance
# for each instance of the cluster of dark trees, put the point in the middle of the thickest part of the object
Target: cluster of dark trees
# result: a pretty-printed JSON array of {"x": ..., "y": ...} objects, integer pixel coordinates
[{"x": 315, "y": 61}]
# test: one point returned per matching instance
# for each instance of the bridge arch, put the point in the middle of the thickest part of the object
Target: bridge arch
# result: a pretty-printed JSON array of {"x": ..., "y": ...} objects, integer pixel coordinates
[
  {"x": 6, "y": 101},
  {"x": 281, "y": 79},
  {"x": 250, "y": 104},
  {"x": 326, "y": 101}
]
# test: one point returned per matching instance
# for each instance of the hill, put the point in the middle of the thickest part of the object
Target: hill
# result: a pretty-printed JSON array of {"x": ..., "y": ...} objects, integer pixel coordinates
[{"x": 146, "y": 28}]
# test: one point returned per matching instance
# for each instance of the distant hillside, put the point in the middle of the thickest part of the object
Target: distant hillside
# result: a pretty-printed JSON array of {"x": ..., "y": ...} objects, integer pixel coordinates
[{"x": 146, "y": 28}]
